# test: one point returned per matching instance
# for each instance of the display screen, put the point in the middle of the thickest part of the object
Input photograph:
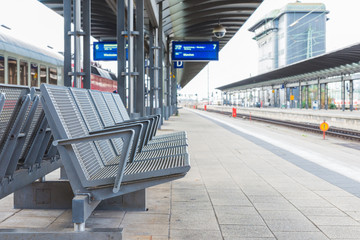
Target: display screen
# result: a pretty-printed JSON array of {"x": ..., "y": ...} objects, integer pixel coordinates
[
  {"x": 195, "y": 51},
  {"x": 106, "y": 51}
]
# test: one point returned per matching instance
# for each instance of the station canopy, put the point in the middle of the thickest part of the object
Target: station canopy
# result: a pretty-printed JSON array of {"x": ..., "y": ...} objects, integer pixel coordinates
[
  {"x": 340, "y": 62},
  {"x": 189, "y": 20}
]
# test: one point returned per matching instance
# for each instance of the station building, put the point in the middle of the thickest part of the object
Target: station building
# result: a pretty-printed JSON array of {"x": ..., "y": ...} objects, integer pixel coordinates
[{"x": 290, "y": 34}]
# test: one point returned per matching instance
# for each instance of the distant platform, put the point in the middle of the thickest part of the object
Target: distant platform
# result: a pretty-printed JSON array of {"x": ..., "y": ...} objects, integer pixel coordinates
[{"x": 337, "y": 118}]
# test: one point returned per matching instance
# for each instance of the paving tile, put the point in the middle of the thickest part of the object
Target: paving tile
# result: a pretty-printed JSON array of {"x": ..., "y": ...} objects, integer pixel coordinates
[
  {"x": 240, "y": 219},
  {"x": 332, "y": 211},
  {"x": 135, "y": 229},
  {"x": 246, "y": 231},
  {"x": 189, "y": 206},
  {"x": 274, "y": 206},
  {"x": 290, "y": 225},
  {"x": 39, "y": 213},
  {"x": 333, "y": 221},
  {"x": 241, "y": 238},
  {"x": 195, "y": 220},
  {"x": 342, "y": 232},
  {"x": 108, "y": 214},
  {"x": 241, "y": 210},
  {"x": 27, "y": 222},
  {"x": 282, "y": 215},
  {"x": 300, "y": 236},
  {"x": 99, "y": 222},
  {"x": 195, "y": 235},
  {"x": 189, "y": 195},
  {"x": 146, "y": 218},
  {"x": 4, "y": 215}
]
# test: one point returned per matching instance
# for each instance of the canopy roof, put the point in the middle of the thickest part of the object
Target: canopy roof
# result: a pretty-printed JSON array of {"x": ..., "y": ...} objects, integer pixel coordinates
[
  {"x": 343, "y": 61},
  {"x": 182, "y": 20}
]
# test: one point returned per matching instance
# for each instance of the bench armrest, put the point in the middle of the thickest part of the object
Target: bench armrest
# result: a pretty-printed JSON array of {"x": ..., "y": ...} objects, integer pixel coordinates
[
  {"x": 129, "y": 134},
  {"x": 138, "y": 134},
  {"x": 95, "y": 137}
]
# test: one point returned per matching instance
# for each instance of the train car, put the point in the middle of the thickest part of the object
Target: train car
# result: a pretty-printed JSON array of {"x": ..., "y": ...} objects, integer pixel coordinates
[{"x": 24, "y": 64}]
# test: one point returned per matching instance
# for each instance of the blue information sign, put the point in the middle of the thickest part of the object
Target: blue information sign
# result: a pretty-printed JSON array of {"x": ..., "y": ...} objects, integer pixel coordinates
[
  {"x": 106, "y": 51},
  {"x": 195, "y": 51}
]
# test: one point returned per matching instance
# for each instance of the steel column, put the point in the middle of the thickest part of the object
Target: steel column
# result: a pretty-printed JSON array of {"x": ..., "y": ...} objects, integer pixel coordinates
[
  {"x": 130, "y": 29},
  {"x": 326, "y": 97},
  {"x": 307, "y": 96},
  {"x": 351, "y": 96},
  {"x": 77, "y": 49},
  {"x": 300, "y": 95},
  {"x": 67, "y": 43},
  {"x": 319, "y": 94},
  {"x": 140, "y": 60},
  {"x": 168, "y": 77},
  {"x": 285, "y": 95},
  {"x": 160, "y": 62},
  {"x": 86, "y": 48},
  {"x": 151, "y": 68},
  {"x": 121, "y": 51},
  {"x": 342, "y": 93}
]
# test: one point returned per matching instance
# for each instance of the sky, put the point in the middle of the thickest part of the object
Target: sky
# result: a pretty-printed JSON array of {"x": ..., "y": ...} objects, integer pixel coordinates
[{"x": 33, "y": 22}]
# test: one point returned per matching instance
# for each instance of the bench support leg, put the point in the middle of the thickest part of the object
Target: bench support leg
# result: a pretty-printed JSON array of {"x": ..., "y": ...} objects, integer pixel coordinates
[{"x": 79, "y": 227}]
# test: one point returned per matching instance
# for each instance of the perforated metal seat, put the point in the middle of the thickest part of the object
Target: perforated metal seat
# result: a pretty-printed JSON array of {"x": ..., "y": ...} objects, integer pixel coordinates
[{"x": 124, "y": 115}]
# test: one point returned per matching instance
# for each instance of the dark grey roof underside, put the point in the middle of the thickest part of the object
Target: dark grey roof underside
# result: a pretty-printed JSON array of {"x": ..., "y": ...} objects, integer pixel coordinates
[
  {"x": 343, "y": 57},
  {"x": 182, "y": 20}
]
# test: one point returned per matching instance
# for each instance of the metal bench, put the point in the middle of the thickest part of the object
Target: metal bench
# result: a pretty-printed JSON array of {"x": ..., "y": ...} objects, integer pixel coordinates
[
  {"x": 22, "y": 136},
  {"x": 123, "y": 113},
  {"x": 163, "y": 149},
  {"x": 91, "y": 177}
]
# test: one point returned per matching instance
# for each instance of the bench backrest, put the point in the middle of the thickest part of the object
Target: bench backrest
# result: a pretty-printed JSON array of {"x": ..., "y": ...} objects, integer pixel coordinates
[
  {"x": 82, "y": 161},
  {"x": 93, "y": 123},
  {"x": 16, "y": 109},
  {"x": 121, "y": 107},
  {"x": 96, "y": 106},
  {"x": 2, "y": 101}
]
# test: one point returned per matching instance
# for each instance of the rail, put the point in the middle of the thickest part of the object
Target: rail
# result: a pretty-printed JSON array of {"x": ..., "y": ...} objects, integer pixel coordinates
[{"x": 333, "y": 131}]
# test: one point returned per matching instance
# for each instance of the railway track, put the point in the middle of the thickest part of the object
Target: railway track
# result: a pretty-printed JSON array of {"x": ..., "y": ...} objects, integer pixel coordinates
[{"x": 333, "y": 131}]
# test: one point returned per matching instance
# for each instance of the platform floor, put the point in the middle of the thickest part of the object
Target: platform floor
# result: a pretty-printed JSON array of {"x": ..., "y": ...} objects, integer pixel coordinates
[{"x": 248, "y": 181}]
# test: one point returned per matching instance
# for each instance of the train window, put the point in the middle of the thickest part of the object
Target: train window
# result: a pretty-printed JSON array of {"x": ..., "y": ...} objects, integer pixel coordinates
[
  {"x": 12, "y": 68},
  {"x": 53, "y": 76},
  {"x": 42, "y": 74},
  {"x": 34, "y": 75},
  {"x": 23, "y": 73},
  {"x": 2, "y": 72}
]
